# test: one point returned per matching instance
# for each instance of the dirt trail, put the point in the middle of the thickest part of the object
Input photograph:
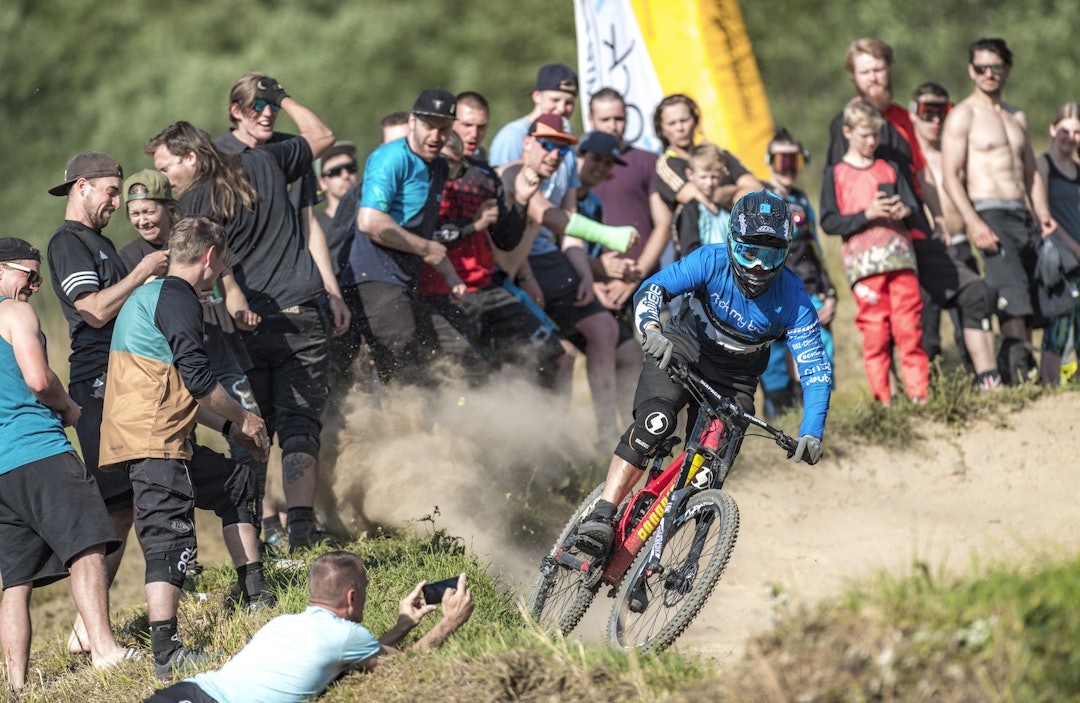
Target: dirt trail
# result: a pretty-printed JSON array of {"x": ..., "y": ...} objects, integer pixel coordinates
[{"x": 988, "y": 494}]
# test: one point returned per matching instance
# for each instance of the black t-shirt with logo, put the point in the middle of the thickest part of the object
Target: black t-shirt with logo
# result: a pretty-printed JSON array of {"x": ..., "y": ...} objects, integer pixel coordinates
[{"x": 83, "y": 260}]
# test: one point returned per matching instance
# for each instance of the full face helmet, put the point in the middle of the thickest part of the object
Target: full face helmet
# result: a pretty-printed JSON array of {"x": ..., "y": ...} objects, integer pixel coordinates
[{"x": 761, "y": 232}]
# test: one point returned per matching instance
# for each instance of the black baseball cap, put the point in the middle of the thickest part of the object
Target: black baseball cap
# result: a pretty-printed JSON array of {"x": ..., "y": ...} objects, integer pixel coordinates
[
  {"x": 557, "y": 76},
  {"x": 89, "y": 164},
  {"x": 602, "y": 143},
  {"x": 15, "y": 249},
  {"x": 436, "y": 102}
]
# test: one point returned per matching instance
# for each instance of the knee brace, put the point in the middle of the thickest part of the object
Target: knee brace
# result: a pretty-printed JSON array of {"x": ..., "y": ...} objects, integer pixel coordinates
[
  {"x": 300, "y": 444},
  {"x": 974, "y": 305},
  {"x": 169, "y": 567},
  {"x": 654, "y": 421}
]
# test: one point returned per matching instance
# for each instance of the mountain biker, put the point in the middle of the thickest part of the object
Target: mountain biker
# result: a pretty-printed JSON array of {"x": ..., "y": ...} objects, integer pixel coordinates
[{"x": 734, "y": 300}]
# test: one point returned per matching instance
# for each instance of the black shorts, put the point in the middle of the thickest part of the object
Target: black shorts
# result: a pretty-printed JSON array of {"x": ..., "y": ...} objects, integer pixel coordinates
[
  {"x": 50, "y": 512},
  {"x": 167, "y": 491},
  {"x": 390, "y": 320},
  {"x": 183, "y": 692},
  {"x": 499, "y": 326},
  {"x": 1010, "y": 271},
  {"x": 559, "y": 282},
  {"x": 288, "y": 374},
  {"x": 942, "y": 275},
  {"x": 114, "y": 486}
]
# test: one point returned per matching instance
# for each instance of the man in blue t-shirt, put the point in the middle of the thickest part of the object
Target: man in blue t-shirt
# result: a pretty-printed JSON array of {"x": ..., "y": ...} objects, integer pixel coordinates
[
  {"x": 395, "y": 225},
  {"x": 294, "y": 657},
  {"x": 52, "y": 518}
]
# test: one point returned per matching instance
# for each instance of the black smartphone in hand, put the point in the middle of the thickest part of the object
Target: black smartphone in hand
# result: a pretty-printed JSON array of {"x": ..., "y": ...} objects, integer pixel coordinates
[
  {"x": 433, "y": 592},
  {"x": 887, "y": 189}
]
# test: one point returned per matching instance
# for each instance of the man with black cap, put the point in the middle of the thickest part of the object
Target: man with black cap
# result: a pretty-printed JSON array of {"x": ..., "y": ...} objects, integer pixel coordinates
[
  {"x": 51, "y": 518},
  {"x": 395, "y": 223},
  {"x": 555, "y": 94},
  {"x": 92, "y": 283}
]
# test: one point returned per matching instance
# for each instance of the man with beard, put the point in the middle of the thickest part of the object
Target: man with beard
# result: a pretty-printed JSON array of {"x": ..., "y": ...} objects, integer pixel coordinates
[
  {"x": 989, "y": 170},
  {"x": 92, "y": 284},
  {"x": 943, "y": 279},
  {"x": 395, "y": 225}
]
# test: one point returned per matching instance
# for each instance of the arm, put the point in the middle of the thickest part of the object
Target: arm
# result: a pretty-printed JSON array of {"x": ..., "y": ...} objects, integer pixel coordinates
[
  {"x": 1036, "y": 182},
  {"x": 100, "y": 307},
  {"x": 385, "y": 232},
  {"x": 954, "y": 148},
  {"x": 831, "y": 219},
  {"x": 318, "y": 135},
  {"x": 237, "y": 303},
  {"x": 728, "y": 195},
  {"x": 248, "y": 429},
  {"x": 574, "y": 249},
  {"x": 24, "y": 332},
  {"x": 320, "y": 253}
]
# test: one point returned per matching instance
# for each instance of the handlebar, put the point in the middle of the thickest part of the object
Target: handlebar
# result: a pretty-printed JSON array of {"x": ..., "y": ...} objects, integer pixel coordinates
[{"x": 680, "y": 372}]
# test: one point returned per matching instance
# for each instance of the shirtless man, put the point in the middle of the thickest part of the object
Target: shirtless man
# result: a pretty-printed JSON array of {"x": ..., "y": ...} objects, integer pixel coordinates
[{"x": 989, "y": 172}]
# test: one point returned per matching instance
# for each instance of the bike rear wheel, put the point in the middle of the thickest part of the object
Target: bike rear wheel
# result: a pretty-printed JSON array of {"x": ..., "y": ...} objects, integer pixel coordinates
[
  {"x": 562, "y": 595},
  {"x": 655, "y": 605}
]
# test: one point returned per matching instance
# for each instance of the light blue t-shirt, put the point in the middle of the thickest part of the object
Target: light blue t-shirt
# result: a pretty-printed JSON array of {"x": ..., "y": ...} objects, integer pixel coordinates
[
  {"x": 292, "y": 659},
  {"x": 29, "y": 431}
]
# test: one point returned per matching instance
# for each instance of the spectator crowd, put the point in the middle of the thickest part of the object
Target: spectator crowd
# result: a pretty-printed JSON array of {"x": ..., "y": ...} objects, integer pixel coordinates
[{"x": 270, "y": 275}]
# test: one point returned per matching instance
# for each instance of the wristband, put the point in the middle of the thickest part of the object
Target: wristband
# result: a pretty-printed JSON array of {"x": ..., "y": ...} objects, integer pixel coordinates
[
  {"x": 614, "y": 238},
  {"x": 525, "y": 277},
  {"x": 226, "y": 427}
]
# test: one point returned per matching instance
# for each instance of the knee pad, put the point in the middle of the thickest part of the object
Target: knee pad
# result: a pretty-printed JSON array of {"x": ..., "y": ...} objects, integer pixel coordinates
[
  {"x": 654, "y": 421},
  {"x": 169, "y": 567},
  {"x": 973, "y": 302},
  {"x": 301, "y": 443}
]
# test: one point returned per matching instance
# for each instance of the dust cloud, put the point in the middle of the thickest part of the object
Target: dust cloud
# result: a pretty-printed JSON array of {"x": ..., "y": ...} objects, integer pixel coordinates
[{"x": 476, "y": 453}]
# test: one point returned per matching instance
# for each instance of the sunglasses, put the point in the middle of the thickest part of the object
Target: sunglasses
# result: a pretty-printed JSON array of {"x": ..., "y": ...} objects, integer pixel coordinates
[
  {"x": 996, "y": 68},
  {"x": 791, "y": 162},
  {"x": 750, "y": 255},
  {"x": 259, "y": 105},
  {"x": 928, "y": 112},
  {"x": 561, "y": 149},
  {"x": 340, "y": 170},
  {"x": 33, "y": 278}
]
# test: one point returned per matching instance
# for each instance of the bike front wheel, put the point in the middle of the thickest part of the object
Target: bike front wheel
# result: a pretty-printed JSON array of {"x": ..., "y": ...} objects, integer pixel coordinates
[
  {"x": 658, "y": 599},
  {"x": 562, "y": 595}
]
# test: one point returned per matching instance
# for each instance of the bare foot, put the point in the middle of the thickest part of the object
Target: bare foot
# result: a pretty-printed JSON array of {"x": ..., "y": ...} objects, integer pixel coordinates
[
  {"x": 118, "y": 655},
  {"x": 78, "y": 642}
]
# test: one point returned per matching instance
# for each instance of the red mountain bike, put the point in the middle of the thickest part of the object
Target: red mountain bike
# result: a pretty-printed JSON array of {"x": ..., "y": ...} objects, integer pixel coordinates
[{"x": 673, "y": 537}]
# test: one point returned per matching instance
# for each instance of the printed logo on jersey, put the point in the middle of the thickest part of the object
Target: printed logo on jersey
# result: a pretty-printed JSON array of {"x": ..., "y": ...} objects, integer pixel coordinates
[
  {"x": 656, "y": 423},
  {"x": 809, "y": 356}
]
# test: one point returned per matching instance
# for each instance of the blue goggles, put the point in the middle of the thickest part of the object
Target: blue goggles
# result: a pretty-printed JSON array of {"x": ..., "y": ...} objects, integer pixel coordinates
[
  {"x": 751, "y": 255},
  {"x": 562, "y": 149}
]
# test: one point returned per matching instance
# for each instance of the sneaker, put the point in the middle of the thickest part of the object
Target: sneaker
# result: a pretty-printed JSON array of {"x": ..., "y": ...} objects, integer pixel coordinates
[
  {"x": 595, "y": 533},
  {"x": 183, "y": 662}
]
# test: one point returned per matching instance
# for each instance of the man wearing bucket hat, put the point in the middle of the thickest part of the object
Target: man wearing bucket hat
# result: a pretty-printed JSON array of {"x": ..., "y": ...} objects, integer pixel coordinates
[
  {"x": 51, "y": 520},
  {"x": 92, "y": 283}
]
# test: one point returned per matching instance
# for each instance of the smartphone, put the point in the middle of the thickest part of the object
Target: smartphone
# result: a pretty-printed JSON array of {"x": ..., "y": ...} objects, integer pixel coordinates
[
  {"x": 433, "y": 592},
  {"x": 889, "y": 189}
]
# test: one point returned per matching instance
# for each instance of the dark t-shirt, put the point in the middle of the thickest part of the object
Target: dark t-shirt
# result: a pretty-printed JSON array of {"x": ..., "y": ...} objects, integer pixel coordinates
[
  {"x": 274, "y": 268},
  {"x": 82, "y": 260},
  {"x": 228, "y": 356},
  {"x": 303, "y": 192}
]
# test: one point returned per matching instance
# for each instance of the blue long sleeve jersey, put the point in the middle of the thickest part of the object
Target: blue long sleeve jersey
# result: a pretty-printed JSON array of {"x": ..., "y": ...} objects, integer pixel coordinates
[{"x": 733, "y": 331}]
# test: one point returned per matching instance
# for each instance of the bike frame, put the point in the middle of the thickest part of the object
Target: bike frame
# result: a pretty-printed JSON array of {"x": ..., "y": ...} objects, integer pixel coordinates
[{"x": 666, "y": 491}]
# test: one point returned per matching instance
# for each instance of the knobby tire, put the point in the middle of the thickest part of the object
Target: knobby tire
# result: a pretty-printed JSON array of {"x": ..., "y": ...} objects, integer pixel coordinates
[
  {"x": 674, "y": 596},
  {"x": 558, "y": 602}
]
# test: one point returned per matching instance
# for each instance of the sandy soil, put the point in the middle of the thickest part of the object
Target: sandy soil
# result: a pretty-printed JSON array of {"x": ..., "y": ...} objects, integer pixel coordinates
[{"x": 956, "y": 500}]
